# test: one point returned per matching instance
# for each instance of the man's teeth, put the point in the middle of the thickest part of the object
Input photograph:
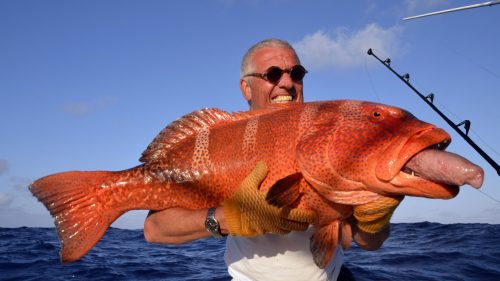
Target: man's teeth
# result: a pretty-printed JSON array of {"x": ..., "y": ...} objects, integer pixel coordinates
[{"x": 282, "y": 99}]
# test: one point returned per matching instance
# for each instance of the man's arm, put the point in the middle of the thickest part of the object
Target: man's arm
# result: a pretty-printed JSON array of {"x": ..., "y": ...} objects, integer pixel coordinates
[
  {"x": 177, "y": 226},
  {"x": 369, "y": 241},
  {"x": 246, "y": 213},
  {"x": 370, "y": 223}
]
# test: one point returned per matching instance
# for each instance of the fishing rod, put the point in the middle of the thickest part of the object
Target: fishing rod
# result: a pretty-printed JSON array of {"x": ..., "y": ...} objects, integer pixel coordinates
[
  {"x": 429, "y": 99},
  {"x": 485, "y": 4}
]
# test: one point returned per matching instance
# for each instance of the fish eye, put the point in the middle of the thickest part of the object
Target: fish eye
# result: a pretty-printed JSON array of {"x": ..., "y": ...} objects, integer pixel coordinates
[{"x": 376, "y": 114}]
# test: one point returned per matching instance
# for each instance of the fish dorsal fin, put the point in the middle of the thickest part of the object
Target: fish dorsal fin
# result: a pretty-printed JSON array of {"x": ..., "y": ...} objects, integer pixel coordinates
[{"x": 190, "y": 125}]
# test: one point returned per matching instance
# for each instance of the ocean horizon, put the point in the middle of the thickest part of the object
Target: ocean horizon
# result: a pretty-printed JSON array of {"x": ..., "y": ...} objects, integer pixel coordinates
[{"x": 414, "y": 251}]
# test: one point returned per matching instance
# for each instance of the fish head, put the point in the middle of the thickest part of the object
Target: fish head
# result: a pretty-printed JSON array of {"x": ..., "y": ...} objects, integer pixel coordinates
[{"x": 357, "y": 148}]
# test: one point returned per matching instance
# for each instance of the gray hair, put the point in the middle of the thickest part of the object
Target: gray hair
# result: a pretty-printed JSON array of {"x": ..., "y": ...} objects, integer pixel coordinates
[{"x": 247, "y": 62}]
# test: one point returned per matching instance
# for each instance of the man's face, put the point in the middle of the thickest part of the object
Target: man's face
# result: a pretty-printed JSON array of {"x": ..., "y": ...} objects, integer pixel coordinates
[{"x": 261, "y": 92}]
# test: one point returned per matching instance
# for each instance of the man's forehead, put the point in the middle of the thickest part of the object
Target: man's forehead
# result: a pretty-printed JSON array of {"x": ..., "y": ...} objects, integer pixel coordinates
[{"x": 267, "y": 55}]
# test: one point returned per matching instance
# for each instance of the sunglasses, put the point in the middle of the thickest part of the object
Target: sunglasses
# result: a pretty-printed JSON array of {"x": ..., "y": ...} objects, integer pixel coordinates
[{"x": 273, "y": 74}]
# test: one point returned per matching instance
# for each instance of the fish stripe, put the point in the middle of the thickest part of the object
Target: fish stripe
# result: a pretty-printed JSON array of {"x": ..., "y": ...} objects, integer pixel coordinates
[
  {"x": 201, "y": 163},
  {"x": 250, "y": 138},
  {"x": 306, "y": 117}
]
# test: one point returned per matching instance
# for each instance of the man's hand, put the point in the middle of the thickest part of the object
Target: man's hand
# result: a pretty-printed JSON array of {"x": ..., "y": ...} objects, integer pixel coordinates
[
  {"x": 248, "y": 214},
  {"x": 375, "y": 216}
]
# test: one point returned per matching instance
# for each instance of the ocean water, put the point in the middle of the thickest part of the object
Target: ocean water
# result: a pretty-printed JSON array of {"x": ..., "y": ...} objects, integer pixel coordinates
[{"x": 416, "y": 251}]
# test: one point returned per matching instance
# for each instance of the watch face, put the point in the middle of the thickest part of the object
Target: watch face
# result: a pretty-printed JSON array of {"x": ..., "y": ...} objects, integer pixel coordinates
[{"x": 211, "y": 225}]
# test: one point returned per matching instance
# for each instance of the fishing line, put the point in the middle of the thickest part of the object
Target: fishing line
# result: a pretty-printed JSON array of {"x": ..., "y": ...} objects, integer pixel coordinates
[
  {"x": 450, "y": 112},
  {"x": 444, "y": 45},
  {"x": 470, "y": 60},
  {"x": 473, "y": 62},
  {"x": 475, "y": 134},
  {"x": 429, "y": 99},
  {"x": 456, "y": 116},
  {"x": 471, "y": 130},
  {"x": 374, "y": 90},
  {"x": 489, "y": 196}
]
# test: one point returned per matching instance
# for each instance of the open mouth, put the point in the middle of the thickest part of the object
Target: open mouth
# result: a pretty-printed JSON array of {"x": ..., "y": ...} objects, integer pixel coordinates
[
  {"x": 422, "y": 167},
  {"x": 409, "y": 167},
  {"x": 282, "y": 99},
  {"x": 444, "y": 168}
]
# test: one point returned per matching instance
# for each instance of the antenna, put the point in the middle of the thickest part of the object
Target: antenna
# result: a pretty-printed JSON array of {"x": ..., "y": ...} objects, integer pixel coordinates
[{"x": 489, "y": 3}]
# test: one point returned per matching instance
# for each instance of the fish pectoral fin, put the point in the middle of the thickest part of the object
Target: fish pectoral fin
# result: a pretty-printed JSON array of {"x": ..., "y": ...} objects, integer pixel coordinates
[
  {"x": 345, "y": 197},
  {"x": 285, "y": 191},
  {"x": 324, "y": 243}
]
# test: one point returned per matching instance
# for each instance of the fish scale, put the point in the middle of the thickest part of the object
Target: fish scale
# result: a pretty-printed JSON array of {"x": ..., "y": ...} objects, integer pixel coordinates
[{"x": 323, "y": 156}]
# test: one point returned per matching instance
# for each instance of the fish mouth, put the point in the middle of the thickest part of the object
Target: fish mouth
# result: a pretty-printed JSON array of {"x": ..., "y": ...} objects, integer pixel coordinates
[
  {"x": 407, "y": 168},
  {"x": 412, "y": 182},
  {"x": 424, "y": 169}
]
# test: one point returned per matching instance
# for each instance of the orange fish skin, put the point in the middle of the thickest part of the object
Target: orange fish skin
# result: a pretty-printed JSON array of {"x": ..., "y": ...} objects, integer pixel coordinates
[
  {"x": 346, "y": 152},
  {"x": 367, "y": 146}
]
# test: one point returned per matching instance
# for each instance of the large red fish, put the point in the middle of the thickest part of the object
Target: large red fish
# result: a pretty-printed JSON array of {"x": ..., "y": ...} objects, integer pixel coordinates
[{"x": 323, "y": 156}]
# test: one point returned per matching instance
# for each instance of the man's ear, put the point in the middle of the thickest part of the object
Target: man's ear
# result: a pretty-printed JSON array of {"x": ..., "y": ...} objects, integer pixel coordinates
[{"x": 246, "y": 90}]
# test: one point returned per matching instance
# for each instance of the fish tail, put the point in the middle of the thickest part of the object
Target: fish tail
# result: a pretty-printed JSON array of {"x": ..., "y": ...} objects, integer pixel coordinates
[{"x": 81, "y": 219}]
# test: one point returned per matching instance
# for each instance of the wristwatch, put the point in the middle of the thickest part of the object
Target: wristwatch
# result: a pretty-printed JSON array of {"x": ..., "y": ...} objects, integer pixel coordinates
[{"x": 212, "y": 225}]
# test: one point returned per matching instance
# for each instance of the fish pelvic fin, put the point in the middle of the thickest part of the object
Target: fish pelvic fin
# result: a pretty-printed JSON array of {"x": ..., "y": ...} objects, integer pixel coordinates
[
  {"x": 80, "y": 218},
  {"x": 324, "y": 242},
  {"x": 285, "y": 191}
]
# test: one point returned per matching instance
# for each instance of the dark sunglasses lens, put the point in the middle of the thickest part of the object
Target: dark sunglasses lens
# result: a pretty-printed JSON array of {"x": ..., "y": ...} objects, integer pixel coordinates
[
  {"x": 297, "y": 73},
  {"x": 273, "y": 74}
]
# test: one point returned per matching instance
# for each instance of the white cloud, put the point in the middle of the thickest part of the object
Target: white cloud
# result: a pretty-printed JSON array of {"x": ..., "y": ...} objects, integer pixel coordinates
[
  {"x": 77, "y": 109},
  {"x": 4, "y": 166},
  {"x": 5, "y": 199},
  {"x": 347, "y": 49},
  {"x": 80, "y": 109}
]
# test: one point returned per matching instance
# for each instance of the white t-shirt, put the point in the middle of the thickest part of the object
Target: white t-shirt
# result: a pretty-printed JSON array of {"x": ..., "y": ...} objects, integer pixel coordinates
[{"x": 278, "y": 258}]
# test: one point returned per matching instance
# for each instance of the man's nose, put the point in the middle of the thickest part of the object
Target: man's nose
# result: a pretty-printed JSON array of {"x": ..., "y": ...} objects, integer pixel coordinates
[{"x": 286, "y": 81}]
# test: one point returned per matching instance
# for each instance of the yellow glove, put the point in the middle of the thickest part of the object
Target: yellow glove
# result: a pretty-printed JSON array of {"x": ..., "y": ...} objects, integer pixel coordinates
[
  {"x": 375, "y": 216},
  {"x": 248, "y": 214}
]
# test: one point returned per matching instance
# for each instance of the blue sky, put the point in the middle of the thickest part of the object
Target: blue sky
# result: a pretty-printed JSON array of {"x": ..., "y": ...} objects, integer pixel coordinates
[{"x": 86, "y": 85}]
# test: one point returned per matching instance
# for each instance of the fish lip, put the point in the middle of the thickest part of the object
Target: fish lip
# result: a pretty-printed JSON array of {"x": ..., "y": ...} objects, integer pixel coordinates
[
  {"x": 407, "y": 184},
  {"x": 438, "y": 146},
  {"x": 429, "y": 138},
  {"x": 447, "y": 191}
]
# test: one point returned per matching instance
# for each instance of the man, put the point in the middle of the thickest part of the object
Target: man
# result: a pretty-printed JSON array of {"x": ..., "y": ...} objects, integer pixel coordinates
[{"x": 270, "y": 73}]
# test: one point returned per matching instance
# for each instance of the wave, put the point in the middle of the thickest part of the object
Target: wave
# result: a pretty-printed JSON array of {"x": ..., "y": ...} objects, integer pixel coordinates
[{"x": 414, "y": 251}]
